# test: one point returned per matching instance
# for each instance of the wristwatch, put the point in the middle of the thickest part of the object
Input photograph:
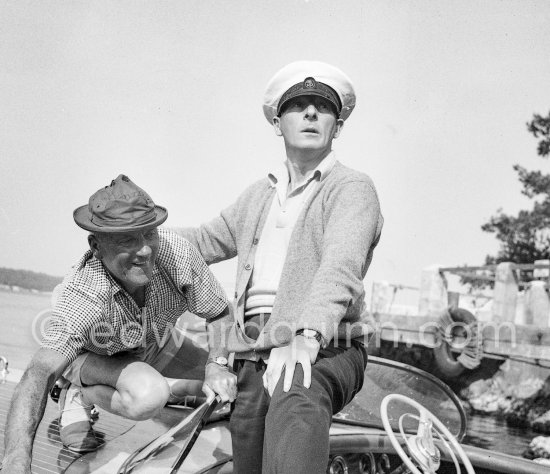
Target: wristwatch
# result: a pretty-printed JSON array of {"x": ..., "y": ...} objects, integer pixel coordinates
[
  {"x": 311, "y": 334},
  {"x": 220, "y": 360}
]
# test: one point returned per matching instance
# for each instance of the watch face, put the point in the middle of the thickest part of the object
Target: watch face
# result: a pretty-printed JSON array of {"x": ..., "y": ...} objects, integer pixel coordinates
[{"x": 221, "y": 360}]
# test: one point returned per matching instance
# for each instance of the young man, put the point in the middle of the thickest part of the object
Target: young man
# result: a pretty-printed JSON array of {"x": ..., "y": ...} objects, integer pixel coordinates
[
  {"x": 112, "y": 334},
  {"x": 304, "y": 238}
]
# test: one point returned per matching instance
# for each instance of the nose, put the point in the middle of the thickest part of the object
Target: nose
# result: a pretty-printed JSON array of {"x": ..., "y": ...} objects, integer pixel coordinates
[
  {"x": 311, "y": 111},
  {"x": 145, "y": 249}
]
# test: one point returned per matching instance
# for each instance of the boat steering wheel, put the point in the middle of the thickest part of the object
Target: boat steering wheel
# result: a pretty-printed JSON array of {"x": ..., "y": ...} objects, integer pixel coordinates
[{"x": 421, "y": 447}]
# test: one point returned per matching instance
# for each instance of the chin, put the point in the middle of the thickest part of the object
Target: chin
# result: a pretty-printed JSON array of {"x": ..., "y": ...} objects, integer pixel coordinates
[
  {"x": 141, "y": 281},
  {"x": 138, "y": 277}
]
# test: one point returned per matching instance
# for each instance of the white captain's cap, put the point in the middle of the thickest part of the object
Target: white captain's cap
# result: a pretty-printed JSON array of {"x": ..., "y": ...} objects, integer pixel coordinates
[{"x": 309, "y": 78}]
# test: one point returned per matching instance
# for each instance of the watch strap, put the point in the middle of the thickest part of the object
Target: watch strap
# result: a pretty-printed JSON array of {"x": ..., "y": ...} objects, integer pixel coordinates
[
  {"x": 312, "y": 334},
  {"x": 219, "y": 360}
]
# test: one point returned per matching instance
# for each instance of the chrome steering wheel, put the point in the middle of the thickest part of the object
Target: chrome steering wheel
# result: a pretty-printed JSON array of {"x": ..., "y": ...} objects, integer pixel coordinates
[{"x": 421, "y": 447}]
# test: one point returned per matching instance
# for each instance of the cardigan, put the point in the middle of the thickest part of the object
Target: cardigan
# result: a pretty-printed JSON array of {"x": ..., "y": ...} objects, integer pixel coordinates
[{"x": 330, "y": 250}]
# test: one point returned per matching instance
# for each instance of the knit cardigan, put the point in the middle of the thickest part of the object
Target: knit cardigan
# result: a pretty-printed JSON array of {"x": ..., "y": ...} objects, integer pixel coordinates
[{"x": 329, "y": 252}]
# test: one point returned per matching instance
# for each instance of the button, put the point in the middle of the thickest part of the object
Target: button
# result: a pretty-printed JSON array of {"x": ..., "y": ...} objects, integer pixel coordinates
[
  {"x": 247, "y": 266},
  {"x": 236, "y": 294},
  {"x": 255, "y": 242}
]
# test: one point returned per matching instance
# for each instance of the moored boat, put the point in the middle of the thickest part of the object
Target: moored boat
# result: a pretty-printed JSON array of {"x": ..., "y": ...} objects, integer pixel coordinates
[{"x": 358, "y": 441}]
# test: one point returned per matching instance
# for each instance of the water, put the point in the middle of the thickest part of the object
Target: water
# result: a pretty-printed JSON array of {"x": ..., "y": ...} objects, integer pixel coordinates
[
  {"x": 20, "y": 317},
  {"x": 492, "y": 433}
]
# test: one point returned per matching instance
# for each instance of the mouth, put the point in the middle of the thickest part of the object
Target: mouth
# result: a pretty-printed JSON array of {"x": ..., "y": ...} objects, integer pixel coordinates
[
  {"x": 310, "y": 130},
  {"x": 141, "y": 264}
]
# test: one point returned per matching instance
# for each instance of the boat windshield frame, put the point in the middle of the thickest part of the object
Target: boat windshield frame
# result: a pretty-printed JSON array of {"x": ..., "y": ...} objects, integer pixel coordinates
[{"x": 421, "y": 375}]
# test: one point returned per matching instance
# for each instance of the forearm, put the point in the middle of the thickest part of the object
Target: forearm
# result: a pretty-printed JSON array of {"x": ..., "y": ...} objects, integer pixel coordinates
[
  {"x": 27, "y": 408},
  {"x": 26, "y": 412},
  {"x": 217, "y": 334}
]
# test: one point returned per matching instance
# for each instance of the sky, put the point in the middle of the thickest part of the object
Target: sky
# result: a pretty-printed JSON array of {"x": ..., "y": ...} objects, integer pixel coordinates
[{"x": 170, "y": 93}]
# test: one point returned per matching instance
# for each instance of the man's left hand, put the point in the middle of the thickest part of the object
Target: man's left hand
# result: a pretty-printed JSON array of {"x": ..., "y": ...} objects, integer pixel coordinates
[
  {"x": 300, "y": 350},
  {"x": 221, "y": 381}
]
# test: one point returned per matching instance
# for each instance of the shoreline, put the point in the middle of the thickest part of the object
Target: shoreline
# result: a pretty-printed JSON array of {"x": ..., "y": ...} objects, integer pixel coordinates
[{"x": 17, "y": 290}]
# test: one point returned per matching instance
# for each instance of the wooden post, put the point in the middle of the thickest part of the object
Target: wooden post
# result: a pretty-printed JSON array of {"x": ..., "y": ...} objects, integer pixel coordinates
[
  {"x": 505, "y": 293},
  {"x": 433, "y": 292}
]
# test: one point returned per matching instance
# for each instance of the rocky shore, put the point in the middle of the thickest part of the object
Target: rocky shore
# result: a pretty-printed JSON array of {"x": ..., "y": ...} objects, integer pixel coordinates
[
  {"x": 514, "y": 391},
  {"x": 522, "y": 403}
]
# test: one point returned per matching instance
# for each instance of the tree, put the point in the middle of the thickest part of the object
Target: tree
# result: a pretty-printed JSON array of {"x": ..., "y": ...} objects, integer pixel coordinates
[
  {"x": 28, "y": 280},
  {"x": 526, "y": 237}
]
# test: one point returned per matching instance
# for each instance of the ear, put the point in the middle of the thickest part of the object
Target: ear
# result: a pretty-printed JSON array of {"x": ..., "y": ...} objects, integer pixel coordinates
[
  {"x": 338, "y": 128},
  {"x": 95, "y": 246},
  {"x": 277, "y": 126}
]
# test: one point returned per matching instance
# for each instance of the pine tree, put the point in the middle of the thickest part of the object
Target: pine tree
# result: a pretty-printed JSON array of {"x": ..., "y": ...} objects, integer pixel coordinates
[{"x": 526, "y": 237}]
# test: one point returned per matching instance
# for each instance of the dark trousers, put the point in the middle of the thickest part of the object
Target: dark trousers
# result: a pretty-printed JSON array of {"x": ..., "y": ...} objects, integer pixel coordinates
[{"x": 289, "y": 432}]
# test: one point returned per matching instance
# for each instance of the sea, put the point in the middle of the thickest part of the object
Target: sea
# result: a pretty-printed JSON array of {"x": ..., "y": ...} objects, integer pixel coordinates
[{"x": 25, "y": 314}]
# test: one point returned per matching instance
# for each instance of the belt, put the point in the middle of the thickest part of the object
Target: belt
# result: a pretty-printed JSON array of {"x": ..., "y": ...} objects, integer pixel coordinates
[{"x": 254, "y": 324}]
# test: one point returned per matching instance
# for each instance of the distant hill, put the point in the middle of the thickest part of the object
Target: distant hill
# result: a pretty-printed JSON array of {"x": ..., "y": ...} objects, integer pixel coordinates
[{"x": 28, "y": 280}]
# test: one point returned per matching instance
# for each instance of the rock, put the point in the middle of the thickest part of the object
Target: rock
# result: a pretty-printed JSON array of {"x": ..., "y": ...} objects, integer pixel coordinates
[
  {"x": 523, "y": 413},
  {"x": 465, "y": 405},
  {"x": 504, "y": 405},
  {"x": 523, "y": 403},
  {"x": 476, "y": 389},
  {"x": 525, "y": 389},
  {"x": 500, "y": 384},
  {"x": 530, "y": 406},
  {"x": 545, "y": 390},
  {"x": 542, "y": 423},
  {"x": 520, "y": 413},
  {"x": 488, "y": 396},
  {"x": 539, "y": 447},
  {"x": 487, "y": 403}
]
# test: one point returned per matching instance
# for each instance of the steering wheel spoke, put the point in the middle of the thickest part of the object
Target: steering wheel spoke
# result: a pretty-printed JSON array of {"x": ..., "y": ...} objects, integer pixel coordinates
[{"x": 423, "y": 455}]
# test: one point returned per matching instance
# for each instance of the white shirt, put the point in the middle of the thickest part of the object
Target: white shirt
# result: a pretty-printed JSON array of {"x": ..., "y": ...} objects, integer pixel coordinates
[{"x": 273, "y": 244}]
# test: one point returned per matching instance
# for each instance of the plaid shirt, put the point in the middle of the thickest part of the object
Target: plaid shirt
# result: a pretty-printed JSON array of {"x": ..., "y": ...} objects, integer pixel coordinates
[{"x": 94, "y": 313}]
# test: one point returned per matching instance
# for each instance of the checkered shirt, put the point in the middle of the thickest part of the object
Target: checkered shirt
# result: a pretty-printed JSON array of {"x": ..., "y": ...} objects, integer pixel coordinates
[{"x": 94, "y": 313}]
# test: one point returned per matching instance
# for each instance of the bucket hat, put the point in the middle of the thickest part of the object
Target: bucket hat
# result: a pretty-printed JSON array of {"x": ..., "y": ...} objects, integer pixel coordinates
[{"x": 120, "y": 207}]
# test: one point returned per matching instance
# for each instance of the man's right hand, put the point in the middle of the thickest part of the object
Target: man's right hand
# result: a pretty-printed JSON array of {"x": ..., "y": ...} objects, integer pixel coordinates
[{"x": 221, "y": 381}]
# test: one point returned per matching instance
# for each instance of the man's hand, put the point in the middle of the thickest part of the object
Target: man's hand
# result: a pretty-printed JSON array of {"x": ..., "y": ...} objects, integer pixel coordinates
[
  {"x": 219, "y": 380},
  {"x": 301, "y": 350}
]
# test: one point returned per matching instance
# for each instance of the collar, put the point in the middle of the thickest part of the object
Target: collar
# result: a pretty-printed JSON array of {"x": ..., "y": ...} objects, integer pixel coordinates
[
  {"x": 325, "y": 167},
  {"x": 101, "y": 276},
  {"x": 322, "y": 170}
]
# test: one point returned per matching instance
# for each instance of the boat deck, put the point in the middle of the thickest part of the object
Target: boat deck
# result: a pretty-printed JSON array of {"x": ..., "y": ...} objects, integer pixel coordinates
[{"x": 49, "y": 455}]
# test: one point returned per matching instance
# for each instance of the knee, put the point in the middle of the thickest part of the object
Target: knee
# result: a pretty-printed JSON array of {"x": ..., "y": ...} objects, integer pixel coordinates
[
  {"x": 297, "y": 424},
  {"x": 146, "y": 398},
  {"x": 301, "y": 406}
]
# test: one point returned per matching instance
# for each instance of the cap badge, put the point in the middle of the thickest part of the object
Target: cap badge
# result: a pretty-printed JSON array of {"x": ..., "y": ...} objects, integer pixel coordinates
[{"x": 309, "y": 83}]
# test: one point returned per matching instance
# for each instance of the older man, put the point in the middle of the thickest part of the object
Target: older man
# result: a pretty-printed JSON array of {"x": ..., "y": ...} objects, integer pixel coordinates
[
  {"x": 304, "y": 237},
  {"x": 112, "y": 334}
]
